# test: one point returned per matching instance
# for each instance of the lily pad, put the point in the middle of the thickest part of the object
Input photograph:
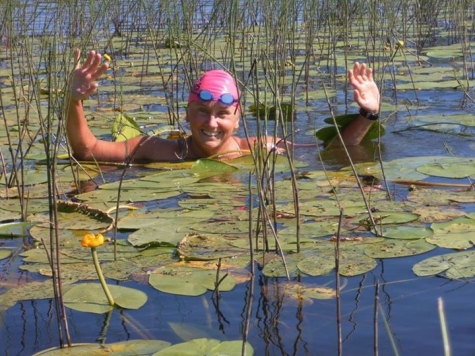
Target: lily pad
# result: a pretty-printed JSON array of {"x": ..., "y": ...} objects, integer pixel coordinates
[
  {"x": 398, "y": 248},
  {"x": 329, "y": 133},
  {"x": 206, "y": 347},
  {"x": 188, "y": 281},
  {"x": 206, "y": 247},
  {"x": 187, "y": 331},
  {"x": 301, "y": 291},
  {"x": 277, "y": 268},
  {"x": 456, "y": 234},
  {"x": 207, "y": 167},
  {"x": 387, "y": 217},
  {"x": 124, "y": 128},
  {"x": 15, "y": 229},
  {"x": 456, "y": 265},
  {"x": 5, "y": 253},
  {"x": 122, "y": 348},
  {"x": 448, "y": 170},
  {"x": 90, "y": 297},
  {"x": 165, "y": 232},
  {"x": 407, "y": 232}
]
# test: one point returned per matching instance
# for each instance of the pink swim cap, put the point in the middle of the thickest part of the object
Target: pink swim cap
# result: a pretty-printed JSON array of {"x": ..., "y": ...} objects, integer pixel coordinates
[{"x": 214, "y": 85}]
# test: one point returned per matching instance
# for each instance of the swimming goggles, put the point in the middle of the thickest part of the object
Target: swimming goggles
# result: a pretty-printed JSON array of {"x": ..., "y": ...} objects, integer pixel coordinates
[{"x": 206, "y": 95}]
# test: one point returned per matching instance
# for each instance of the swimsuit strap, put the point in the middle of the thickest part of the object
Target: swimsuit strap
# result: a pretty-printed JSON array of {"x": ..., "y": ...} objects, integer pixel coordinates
[
  {"x": 238, "y": 145},
  {"x": 183, "y": 148}
]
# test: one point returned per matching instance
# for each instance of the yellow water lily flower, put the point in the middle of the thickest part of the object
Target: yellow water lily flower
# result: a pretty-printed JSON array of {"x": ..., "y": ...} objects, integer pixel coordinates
[
  {"x": 400, "y": 43},
  {"x": 107, "y": 57},
  {"x": 91, "y": 240}
]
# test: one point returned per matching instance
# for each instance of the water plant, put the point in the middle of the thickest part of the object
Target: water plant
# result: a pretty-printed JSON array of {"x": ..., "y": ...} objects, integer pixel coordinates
[{"x": 289, "y": 57}]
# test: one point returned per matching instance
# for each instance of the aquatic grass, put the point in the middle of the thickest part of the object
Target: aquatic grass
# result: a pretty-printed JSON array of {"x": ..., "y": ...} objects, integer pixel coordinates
[
  {"x": 270, "y": 34},
  {"x": 443, "y": 327}
]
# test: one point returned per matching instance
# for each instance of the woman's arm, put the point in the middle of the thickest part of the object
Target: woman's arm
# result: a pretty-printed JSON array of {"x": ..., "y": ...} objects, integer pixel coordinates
[
  {"x": 84, "y": 144},
  {"x": 366, "y": 95}
]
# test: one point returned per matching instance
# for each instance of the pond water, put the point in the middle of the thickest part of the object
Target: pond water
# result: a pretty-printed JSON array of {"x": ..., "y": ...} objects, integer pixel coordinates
[{"x": 387, "y": 309}]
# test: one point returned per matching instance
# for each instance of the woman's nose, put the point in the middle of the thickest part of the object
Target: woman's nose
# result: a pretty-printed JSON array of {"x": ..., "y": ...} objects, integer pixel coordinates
[{"x": 212, "y": 121}]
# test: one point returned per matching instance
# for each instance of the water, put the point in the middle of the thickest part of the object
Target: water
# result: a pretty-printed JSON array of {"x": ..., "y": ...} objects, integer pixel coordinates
[{"x": 406, "y": 305}]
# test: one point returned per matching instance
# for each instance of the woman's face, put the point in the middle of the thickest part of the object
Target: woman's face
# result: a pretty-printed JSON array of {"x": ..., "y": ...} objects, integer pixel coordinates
[{"x": 212, "y": 125}]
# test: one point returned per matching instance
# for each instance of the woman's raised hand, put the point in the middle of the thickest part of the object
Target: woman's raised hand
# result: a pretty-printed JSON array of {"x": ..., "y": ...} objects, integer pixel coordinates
[
  {"x": 366, "y": 91},
  {"x": 84, "y": 76}
]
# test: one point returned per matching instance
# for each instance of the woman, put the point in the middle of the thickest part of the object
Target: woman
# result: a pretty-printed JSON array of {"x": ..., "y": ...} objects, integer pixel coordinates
[{"x": 213, "y": 115}]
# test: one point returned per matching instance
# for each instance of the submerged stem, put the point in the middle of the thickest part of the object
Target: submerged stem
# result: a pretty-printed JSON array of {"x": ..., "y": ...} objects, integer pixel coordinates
[{"x": 101, "y": 276}]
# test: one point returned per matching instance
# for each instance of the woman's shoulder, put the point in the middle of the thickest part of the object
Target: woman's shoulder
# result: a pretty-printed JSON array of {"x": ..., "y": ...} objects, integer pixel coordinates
[{"x": 153, "y": 148}]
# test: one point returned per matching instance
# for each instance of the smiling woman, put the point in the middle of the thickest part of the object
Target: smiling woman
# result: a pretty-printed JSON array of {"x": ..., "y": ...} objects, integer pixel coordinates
[{"x": 213, "y": 113}]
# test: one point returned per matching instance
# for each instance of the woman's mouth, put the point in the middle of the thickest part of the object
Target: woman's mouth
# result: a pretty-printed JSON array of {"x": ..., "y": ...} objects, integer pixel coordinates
[{"x": 210, "y": 133}]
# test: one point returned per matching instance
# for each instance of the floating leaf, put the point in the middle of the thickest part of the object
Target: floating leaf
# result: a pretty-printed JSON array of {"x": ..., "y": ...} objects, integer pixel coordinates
[
  {"x": 206, "y": 347},
  {"x": 5, "y": 253},
  {"x": 328, "y": 134},
  {"x": 352, "y": 259},
  {"x": 188, "y": 331},
  {"x": 398, "y": 248},
  {"x": 31, "y": 290},
  {"x": 165, "y": 232},
  {"x": 300, "y": 291},
  {"x": 276, "y": 267},
  {"x": 403, "y": 168},
  {"x": 318, "y": 265},
  {"x": 448, "y": 170},
  {"x": 456, "y": 265},
  {"x": 188, "y": 281},
  {"x": 407, "y": 232},
  {"x": 122, "y": 348},
  {"x": 15, "y": 229},
  {"x": 457, "y": 234},
  {"x": 90, "y": 297},
  {"x": 434, "y": 197},
  {"x": 127, "y": 195},
  {"x": 206, "y": 247},
  {"x": 206, "y": 167},
  {"x": 124, "y": 128}
]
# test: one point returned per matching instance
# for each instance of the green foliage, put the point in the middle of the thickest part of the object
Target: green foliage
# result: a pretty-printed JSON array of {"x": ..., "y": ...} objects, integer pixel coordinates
[
  {"x": 328, "y": 134},
  {"x": 124, "y": 128},
  {"x": 90, "y": 297}
]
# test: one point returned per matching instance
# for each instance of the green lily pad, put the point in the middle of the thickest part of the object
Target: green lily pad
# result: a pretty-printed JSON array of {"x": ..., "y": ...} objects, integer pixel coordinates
[
  {"x": 398, "y": 248},
  {"x": 206, "y": 167},
  {"x": 90, "y": 297},
  {"x": 388, "y": 217},
  {"x": 457, "y": 233},
  {"x": 202, "y": 247},
  {"x": 328, "y": 134},
  {"x": 124, "y": 128},
  {"x": 122, "y": 348},
  {"x": 276, "y": 267},
  {"x": 28, "y": 291},
  {"x": 434, "y": 197},
  {"x": 407, "y": 232},
  {"x": 403, "y": 168},
  {"x": 5, "y": 253},
  {"x": 15, "y": 229},
  {"x": 448, "y": 170},
  {"x": 305, "y": 292},
  {"x": 456, "y": 265},
  {"x": 206, "y": 347},
  {"x": 165, "y": 232},
  {"x": 188, "y": 331},
  {"x": 318, "y": 265},
  {"x": 188, "y": 281},
  {"x": 127, "y": 195}
]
